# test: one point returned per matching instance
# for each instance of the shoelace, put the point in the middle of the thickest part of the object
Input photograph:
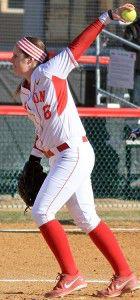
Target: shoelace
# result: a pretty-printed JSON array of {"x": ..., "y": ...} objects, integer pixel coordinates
[
  {"x": 109, "y": 287},
  {"x": 114, "y": 277},
  {"x": 59, "y": 277}
]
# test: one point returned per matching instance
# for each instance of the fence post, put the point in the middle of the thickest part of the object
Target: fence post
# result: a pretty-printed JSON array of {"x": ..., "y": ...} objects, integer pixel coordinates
[{"x": 97, "y": 71}]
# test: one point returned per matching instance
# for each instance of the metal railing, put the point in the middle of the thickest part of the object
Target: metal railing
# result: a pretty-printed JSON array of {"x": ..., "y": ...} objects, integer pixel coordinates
[{"x": 99, "y": 91}]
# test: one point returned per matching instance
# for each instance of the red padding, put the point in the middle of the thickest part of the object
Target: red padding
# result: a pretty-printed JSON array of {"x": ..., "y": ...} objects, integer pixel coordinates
[
  {"x": 12, "y": 110},
  {"x": 91, "y": 59},
  {"x": 6, "y": 56},
  {"x": 109, "y": 112},
  {"x": 84, "y": 59},
  {"x": 15, "y": 110}
]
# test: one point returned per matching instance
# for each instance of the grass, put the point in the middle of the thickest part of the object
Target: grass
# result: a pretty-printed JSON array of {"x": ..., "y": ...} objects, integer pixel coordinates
[{"x": 13, "y": 216}]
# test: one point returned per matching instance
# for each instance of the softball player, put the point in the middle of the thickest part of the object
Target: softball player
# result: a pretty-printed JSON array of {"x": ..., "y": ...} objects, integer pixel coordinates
[{"x": 61, "y": 137}]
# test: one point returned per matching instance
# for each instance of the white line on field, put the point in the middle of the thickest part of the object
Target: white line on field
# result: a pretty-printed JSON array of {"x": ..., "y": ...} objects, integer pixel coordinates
[
  {"x": 119, "y": 229},
  {"x": 48, "y": 280}
]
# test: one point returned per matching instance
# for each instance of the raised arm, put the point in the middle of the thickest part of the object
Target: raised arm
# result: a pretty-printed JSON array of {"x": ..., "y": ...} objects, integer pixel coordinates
[{"x": 81, "y": 43}]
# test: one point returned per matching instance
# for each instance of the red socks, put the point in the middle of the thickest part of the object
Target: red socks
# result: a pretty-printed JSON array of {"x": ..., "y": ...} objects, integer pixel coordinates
[
  {"x": 56, "y": 239},
  {"x": 106, "y": 242},
  {"x": 102, "y": 237}
]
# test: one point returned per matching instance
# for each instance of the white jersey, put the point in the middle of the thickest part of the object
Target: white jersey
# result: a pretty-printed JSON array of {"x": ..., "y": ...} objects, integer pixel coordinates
[{"x": 50, "y": 104}]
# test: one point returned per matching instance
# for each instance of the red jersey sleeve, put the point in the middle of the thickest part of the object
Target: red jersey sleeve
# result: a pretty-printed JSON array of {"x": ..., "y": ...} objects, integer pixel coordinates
[{"x": 81, "y": 43}]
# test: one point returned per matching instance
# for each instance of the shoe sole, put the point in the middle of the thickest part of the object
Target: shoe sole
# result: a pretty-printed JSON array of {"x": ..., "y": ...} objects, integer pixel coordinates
[
  {"x": 124, "y": 291},
  {"x": 79, "y": 287},
  {"x": 137, "y": 287}
]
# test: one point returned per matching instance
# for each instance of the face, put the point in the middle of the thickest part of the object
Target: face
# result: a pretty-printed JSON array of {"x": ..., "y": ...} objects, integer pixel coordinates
[{"x": 21, "y": 64}]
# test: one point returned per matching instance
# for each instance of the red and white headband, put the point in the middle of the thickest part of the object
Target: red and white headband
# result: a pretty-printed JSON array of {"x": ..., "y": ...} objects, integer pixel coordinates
[{"x": 31, "y": 49}]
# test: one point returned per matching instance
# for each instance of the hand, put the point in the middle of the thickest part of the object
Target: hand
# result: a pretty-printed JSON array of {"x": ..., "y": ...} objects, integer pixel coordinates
[
  {"x": 116, "y": 14},
  {"x": 134, "y": 134}
]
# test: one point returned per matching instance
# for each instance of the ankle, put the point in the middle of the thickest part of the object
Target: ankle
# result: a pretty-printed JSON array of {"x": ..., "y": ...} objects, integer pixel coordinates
[{"x": 124, "y": 273}]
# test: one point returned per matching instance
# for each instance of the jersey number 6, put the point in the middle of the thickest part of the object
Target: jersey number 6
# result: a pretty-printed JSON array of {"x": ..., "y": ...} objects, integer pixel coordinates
[{"x": 47, "y": 112}]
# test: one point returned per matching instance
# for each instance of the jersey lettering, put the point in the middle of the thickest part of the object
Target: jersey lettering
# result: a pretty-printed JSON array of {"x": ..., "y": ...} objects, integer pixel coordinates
[{"x": 40, "y": 97}]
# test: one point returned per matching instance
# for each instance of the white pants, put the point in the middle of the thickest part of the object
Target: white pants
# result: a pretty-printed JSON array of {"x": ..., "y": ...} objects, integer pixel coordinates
[{"x": 68, "y": 182}]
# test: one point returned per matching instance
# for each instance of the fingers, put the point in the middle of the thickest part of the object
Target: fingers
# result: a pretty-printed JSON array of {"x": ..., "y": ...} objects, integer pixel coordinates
[
  {"x": 117, "y": 12},
  {"x": 128, "y": 6},
  {"x": 117, "y": 17}
]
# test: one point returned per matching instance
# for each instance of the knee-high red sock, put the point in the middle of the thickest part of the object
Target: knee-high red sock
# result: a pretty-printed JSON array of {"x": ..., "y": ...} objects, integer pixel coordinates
[
  {"x": 56, "y": 239},
  {"x": 106, "y": 242}
]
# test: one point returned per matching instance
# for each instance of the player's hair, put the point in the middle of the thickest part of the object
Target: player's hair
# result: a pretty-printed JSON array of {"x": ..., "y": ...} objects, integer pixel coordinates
[{"x": 41, "y": 45}]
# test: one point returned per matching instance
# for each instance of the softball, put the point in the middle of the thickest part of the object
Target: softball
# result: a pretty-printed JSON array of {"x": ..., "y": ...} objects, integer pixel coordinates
[{"x": 129, "y": 15}]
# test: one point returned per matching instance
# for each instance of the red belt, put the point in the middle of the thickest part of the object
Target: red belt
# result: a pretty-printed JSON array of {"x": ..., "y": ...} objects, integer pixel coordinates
[{"x": 62, "y": 147}]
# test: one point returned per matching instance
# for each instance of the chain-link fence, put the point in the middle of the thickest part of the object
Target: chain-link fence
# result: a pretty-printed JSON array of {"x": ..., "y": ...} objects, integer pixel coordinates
[
  {"x": 115, "y": 178},
  {"x": 57, "y": 21},
  {"x": 78, "y": 82},
  {"x": 117, "y": 163}
]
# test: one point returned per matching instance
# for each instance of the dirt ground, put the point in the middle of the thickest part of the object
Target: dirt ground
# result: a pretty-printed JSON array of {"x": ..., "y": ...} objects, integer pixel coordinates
[{"x": 25, "y": 256}]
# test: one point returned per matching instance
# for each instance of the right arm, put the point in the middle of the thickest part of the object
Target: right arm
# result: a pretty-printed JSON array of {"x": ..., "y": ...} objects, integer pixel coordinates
[
  {"x": 63, "y": 63},
  {"x": 81, "y": 43},
  {"x": 88, "y": 36}
]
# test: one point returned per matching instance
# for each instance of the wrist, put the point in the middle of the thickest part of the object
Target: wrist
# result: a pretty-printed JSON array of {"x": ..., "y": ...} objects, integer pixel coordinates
[
  {"x": 37, "y": 152},
  {"x": 105, "y": 18}
]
